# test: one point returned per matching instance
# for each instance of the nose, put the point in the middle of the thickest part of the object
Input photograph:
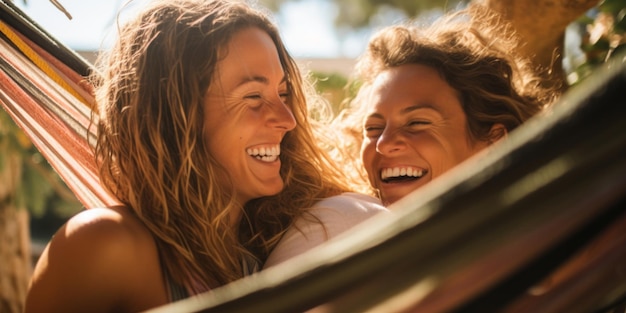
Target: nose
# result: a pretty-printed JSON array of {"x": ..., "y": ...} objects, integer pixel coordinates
[
  {"x": 390, "y": 141},
  {"x": 281, "y": 116}
]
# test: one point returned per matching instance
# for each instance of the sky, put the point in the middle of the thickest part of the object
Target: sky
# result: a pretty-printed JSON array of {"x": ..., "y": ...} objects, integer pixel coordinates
[{"x": 306, "y": 26}]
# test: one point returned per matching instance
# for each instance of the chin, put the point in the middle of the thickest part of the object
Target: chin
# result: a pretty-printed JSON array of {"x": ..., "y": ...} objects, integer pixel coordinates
[
  {"x": 386, "y": 201},
  {"x": 396, "y": 193},
  {"x": 273, "y": 189}
]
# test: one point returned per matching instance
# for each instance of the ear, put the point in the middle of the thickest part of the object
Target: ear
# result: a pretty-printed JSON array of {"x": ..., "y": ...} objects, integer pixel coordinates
[{"x": 497, "y": 132}]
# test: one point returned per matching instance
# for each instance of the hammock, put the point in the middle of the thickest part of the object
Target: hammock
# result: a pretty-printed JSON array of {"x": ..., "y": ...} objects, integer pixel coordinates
[
  {"x": 537, "y": 226},
  {"x": 548, "y": 203},
  {"x": 44, "y": 92}
]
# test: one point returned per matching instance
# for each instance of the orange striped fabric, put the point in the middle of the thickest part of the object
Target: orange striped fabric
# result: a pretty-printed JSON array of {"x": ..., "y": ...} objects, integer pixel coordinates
[{"x": 53, "y": 105}]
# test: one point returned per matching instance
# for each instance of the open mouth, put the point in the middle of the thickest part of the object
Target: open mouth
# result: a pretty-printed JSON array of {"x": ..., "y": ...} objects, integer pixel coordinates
[
  {"x": 400, "y": 174},
  {"x": 265, "y": 153}
]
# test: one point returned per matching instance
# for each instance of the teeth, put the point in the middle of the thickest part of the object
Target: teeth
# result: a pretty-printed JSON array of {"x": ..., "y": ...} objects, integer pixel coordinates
[
  {"x": 265, "y": 154},
  {"x": 399, "y": 172}
]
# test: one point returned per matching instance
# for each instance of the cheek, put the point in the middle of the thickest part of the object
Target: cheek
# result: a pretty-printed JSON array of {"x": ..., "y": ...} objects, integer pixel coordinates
[
  {"x": 478, "y": 146},
  {"x": 448, "y": 154},
  {"x": 211, "y": 134},
  {"x": 465, "y": 147},
  {"x": 213, "y": 144},
  {"x": 219, "y": 144},
  {"x": 368, "y": 151}
]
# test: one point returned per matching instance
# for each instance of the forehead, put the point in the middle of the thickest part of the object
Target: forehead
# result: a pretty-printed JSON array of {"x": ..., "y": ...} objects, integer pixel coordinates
[
  {"x": 249, "y": 54},
  {"x": 408, "y": 85}
]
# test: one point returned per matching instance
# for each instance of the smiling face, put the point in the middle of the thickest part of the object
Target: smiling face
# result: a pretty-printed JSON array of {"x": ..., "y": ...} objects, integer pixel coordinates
[
  {"x": 246, "y": 114},
  {"x": 415, "y": 130}
]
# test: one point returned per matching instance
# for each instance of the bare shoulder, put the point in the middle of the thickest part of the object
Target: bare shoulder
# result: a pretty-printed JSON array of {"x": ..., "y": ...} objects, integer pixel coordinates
[
  {"x": 109, "y": 225},
  {"x": 94, "y": 263},
  {"x": 100, "y": 234}
]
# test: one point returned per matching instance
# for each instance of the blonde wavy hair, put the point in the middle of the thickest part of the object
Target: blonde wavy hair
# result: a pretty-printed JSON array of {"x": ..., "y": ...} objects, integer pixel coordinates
[
  {"x": 474, "y": 51},
  {"x": 153, "y": 156}
]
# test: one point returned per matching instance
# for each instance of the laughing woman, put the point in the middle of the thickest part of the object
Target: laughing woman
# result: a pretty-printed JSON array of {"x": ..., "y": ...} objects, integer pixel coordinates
[
  {"x": 434, "y": 96},
  {"x": 204, "y": 137}
]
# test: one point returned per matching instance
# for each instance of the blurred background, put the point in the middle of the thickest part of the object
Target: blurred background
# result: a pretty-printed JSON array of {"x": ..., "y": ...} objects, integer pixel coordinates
[{"x": 325, "y": 36}]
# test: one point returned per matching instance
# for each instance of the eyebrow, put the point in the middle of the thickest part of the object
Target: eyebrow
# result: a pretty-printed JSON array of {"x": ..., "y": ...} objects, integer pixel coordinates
[
  {"x": 419, "y": 107},
  {"x": 258, "y": 79},
  {"x": 409, "y": 109}
]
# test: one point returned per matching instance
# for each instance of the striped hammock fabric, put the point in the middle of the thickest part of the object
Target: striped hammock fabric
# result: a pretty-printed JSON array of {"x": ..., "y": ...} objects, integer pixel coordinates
[{"x": 51, "y": 102}]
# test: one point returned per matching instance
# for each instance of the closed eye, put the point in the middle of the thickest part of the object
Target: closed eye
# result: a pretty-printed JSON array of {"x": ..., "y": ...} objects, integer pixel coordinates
[
  {"x": 254, "y": 101},
  {"x": 418, "y": 123},
  {"x": 284, "y": 96},
  {"x": 283, "y": 91},
  {"x": 373, "y": 131}
]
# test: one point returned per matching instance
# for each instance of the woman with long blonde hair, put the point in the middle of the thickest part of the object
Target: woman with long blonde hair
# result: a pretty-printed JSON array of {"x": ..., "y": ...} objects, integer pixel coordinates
[{"x": 204, "y": 137}]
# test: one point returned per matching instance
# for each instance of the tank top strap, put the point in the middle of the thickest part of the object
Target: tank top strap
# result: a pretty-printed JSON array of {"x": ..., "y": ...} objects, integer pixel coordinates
[{"x": 175, "y": 291}]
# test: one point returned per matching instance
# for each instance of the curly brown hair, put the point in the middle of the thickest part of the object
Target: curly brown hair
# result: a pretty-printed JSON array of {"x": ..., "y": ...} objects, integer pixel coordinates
[{"x": 474, "y": 52}]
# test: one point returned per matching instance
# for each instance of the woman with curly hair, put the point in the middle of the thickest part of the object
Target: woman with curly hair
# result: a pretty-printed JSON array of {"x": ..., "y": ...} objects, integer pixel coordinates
[
  {"x": 433, "y": 96},
  {"x": 205, "y": 139}
]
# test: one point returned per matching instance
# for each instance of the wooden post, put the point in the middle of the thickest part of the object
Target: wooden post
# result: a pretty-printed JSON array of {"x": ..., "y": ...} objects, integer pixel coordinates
[{"x": 15, "y": 259}]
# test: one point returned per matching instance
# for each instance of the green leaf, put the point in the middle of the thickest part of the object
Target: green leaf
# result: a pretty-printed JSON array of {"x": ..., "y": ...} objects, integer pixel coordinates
[
  {"x": 37, "y": 189},
  {"x": 329, "y": 81}
]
